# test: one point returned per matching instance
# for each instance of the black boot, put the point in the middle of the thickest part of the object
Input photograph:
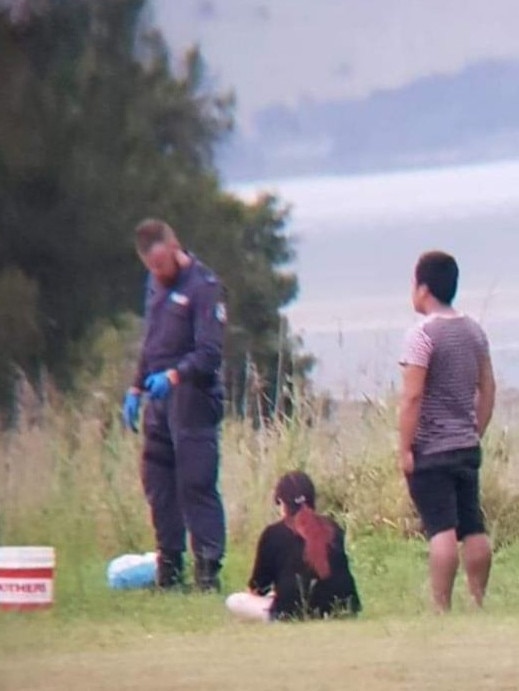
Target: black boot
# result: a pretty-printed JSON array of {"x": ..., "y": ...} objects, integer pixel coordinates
[
  {"x": 206, "y": 575},
  {"x": 170, "y": 569}
]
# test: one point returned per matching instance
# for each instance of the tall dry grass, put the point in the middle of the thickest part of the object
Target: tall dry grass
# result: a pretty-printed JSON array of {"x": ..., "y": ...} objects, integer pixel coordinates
[{"x": 73, "y": 480}]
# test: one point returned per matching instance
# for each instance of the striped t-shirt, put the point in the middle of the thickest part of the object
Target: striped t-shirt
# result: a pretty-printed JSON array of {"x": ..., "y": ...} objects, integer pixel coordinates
[{"x": 451, "y": 348}]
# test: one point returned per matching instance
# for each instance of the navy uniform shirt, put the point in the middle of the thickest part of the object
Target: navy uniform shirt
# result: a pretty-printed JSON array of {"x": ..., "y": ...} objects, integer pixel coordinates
[{"x": 184, "y": 327}]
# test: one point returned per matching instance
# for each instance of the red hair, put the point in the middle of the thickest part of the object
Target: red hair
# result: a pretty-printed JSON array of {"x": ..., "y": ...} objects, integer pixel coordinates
[
  {"x": 317, "y": 533},
  {"x": 297, "y": 492}
]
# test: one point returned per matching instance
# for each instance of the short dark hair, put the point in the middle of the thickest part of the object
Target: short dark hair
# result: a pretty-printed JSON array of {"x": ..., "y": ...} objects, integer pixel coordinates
[
  {"x": 439, "y": 272},
  {"x": 150, "y": 232}
]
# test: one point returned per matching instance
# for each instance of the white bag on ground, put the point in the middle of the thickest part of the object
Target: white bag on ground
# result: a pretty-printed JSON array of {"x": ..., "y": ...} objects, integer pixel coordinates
[{"x": 132, "y": 571}]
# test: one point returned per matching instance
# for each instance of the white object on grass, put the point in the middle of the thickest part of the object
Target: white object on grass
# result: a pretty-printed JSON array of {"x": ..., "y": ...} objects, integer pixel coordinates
[
  {"x": 132, "y": 571},
  {"x": 250, "y": 606},
  {"x": 26, "y": 577}
]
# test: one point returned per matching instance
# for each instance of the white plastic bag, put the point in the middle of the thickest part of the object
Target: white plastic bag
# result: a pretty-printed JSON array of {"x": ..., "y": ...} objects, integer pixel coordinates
[{"x": 132, "y": 571}]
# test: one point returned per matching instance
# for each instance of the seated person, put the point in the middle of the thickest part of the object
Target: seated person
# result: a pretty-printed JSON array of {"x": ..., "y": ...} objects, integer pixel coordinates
[{"x": 301, "y": 568}]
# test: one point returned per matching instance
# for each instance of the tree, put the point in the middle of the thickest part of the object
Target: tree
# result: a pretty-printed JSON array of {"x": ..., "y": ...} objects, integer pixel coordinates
[{"x": 98, "y": 132}]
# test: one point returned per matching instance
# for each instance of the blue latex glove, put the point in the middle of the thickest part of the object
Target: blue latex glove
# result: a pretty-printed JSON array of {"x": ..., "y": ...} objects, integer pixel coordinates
[
  {"x": 131, "y": 408},
  {"x": 158, "y": 385}
]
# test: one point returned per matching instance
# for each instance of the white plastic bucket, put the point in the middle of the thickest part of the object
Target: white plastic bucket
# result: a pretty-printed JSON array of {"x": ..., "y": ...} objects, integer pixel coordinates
[{"x": 26, "y": 577}]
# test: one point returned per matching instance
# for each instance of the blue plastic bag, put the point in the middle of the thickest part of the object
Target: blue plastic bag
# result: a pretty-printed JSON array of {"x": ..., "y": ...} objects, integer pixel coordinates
[{"x": 132, "y": 571}]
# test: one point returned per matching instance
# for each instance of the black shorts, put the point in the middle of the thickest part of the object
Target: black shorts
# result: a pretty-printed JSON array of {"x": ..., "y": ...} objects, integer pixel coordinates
[{"x": 446, "y": 495}]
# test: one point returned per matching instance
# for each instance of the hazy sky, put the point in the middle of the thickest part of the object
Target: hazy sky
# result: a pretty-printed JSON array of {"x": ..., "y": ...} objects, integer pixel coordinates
[{"x": 284, "y": 50}]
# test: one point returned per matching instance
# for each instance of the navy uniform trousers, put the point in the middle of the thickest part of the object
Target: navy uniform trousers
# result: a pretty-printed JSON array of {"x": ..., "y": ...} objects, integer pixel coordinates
[{"x": 180, "y": 470}]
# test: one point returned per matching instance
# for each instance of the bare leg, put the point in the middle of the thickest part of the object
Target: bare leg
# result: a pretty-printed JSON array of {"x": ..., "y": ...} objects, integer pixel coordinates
[
  {"x": 443, "y": 565},
  {"x": 477, "y": 559}
]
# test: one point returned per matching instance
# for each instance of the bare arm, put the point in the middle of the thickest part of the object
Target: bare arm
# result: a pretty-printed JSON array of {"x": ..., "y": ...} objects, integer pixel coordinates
[
  {"x": 409, "y": 414},
  {"x": 486, "y": 395}
]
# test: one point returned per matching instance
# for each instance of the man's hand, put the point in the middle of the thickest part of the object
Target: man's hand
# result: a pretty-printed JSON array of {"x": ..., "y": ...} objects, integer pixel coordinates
[
  {"x": 131, "y": 408},
  {"x": 406, "y": 462},
  {"x": 159, "y": 384}
]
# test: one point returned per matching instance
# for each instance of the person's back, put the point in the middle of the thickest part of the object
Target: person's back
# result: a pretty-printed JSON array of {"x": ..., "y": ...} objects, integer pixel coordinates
[
  {"x": 298, "y": 589},
  {"x": 339, "y": 590},
  {"x": 301, "y": 568},
  {"x": 451, "y": 348}
]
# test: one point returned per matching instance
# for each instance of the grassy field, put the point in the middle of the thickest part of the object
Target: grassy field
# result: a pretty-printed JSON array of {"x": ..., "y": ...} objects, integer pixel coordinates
[
  {"x": 95, "y": 638},
  {"x": 73, "y": 483},
  {"x": 473, "y": 653}
]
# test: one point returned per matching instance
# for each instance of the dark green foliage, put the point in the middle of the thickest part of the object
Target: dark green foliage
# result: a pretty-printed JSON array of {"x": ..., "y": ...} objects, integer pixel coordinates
[{"x": 97, "y": 131}]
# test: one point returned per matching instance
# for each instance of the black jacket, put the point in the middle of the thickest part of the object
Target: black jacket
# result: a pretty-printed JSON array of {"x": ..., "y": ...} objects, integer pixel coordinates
[{"x": 299, "y": 592}]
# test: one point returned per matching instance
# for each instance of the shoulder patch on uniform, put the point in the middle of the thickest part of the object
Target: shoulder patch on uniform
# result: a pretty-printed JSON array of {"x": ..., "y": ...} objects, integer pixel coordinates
[
  {"x": 179, "y": 299},
  {"x": 220, "y": 312}
]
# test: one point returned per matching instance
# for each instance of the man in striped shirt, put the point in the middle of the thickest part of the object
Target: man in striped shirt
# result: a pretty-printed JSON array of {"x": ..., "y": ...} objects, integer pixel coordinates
[{"x": 446, "y": 404}]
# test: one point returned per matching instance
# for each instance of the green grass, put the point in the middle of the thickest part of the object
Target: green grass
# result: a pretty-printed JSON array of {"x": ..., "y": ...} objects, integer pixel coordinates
[
  {"x": 391, "y": 575},
  {"x": 470, "y": 653},
  {"x": 73, "y": 483},
  {"x": 95, "y": 638}
]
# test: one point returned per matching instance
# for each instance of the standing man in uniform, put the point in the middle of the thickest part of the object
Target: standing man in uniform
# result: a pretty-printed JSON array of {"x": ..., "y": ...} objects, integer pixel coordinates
[
  {"x": 446, "y": 404},
  {"x": 179, "y": 370}
]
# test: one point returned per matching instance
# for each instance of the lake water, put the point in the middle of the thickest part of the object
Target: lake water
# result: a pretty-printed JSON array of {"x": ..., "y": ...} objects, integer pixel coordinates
[{"x": 357, "y": 242}]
